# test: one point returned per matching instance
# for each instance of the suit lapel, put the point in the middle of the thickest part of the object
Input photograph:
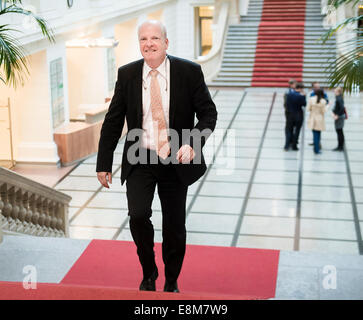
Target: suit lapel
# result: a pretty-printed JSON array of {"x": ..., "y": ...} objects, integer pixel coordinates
[
  {"x": 174, "y": 84},
  {"x": 137, "y": 90}
]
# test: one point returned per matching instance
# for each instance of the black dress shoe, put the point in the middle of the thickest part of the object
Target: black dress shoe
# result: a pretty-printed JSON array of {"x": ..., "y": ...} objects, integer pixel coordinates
[
  {"x": 338, "y": 149},
  {"x": 295, "y": 148},
  {"x": 171, "y": 287},
  {"x": 148, "y": 284}
]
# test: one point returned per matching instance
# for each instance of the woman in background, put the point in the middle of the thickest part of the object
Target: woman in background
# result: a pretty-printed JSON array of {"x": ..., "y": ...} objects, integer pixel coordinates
[
  {"x": 339, "y": 117},
  {"x": 317, "y": 106}
]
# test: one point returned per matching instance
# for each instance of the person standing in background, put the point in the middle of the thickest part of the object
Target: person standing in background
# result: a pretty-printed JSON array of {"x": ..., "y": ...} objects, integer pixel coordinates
[
  {"x": 295, "y": 101},
  {"x": 339, "y": 117},
  {"x": 317, "y": 107},
  {"x": 316, "y": 86}
]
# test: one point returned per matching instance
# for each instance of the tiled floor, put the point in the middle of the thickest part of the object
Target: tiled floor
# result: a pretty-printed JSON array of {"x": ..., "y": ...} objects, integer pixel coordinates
[{"x": 254, "y": 194}]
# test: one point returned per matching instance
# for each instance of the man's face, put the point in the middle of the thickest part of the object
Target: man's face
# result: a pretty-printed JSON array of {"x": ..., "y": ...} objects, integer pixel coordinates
[{"x": 153, "y": 44}]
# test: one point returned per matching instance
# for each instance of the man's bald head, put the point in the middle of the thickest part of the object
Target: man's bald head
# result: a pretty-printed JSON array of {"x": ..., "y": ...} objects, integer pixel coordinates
[
  {"x": 156, "y": 23},
  {"x": 153, "y": 42}
]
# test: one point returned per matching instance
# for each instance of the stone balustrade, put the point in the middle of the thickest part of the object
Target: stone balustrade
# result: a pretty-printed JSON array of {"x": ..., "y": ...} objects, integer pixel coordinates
[{"x": 28, "y": 207}]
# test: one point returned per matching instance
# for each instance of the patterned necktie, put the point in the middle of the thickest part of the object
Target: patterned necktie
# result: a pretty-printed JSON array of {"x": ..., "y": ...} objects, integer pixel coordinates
[{"x": 159, "y": 123}]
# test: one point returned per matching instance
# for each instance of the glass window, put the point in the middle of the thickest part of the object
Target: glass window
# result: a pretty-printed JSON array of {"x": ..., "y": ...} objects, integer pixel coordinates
[
  {"x": 111, "y": 68},
  {"x": 56, "y": 88}
]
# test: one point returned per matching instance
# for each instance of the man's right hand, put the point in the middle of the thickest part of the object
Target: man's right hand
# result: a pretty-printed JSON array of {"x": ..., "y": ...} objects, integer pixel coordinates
[{"x": 104, "y": 178}]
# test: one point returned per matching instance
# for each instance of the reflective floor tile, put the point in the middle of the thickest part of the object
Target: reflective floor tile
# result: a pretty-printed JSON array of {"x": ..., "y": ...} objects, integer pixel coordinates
[
  {"x": 224, "y": 189},
  {"x": 211, "y": 223},
  {"x": 92, "y": 233},
  {"x": 120, "y": 147},
  {"x": 322, "y": 178},
  {"x": 72, "y": 211},
  {"x": 273, "y": 153},
  {"x": 326, "y": 193},
  {"x": 218, "y": 205},
  {"x": 125, "y": 235},
  {"x": 326, "y": 154},
  {"x": 248, "y": 133},
  {"x": 228, "y": 151},
  {"x": 79, "y": 183},
  {"x": 100, "y": 218},
  {"x": 357, "y": 180},
  {"x": 89, "y": 170},
  {"x": 327, "y": 210},
  {"x": 324, "y": 166},
  {"x": 265, "y": 242},
  {"x": 109, "y": 200},
  {"x": 209, "y": 239},
  {"x": 115, "y": 186},
  {"x": 274, "y": 191},
  {"x": 275, "y": 143},
  {"x": 271, "y": 207},
  {"x": 354, "y": 145},
  {"x": 274, "y": 164},
  {"x": 248, "y": 117},
  {"x": 356, "y": 167},
  {"x": 355, "y": 155},
  {"x": 269, "y": 226},
  {"x": 329, "y": 246},
  {"x": 360, "y": 211},
  {"x": 79, "y": 198},
  {"x": 327, "y": 229},
  {"x": 280, "y": 177},
  {"x": 193, "y": 188},
  {"x": 233, "y": 175},
  {"x": 358, "y": 192},
  {"x": 91, "y": 160},
  {"x": 234, "y": 163},
  {"x": 275, "y": 134}
]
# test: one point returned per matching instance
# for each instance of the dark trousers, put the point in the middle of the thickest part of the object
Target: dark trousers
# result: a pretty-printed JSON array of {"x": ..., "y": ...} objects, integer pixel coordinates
[
  {"x": 140, "y": 187},
  {"x": 294, "y": 122},
  {"x": 340, "y": 135},
  {"x": 316, "y": 139}
]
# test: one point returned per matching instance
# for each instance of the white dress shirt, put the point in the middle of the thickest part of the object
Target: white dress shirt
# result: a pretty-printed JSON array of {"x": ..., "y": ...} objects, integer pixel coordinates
[{"x": 163, "y": 78}]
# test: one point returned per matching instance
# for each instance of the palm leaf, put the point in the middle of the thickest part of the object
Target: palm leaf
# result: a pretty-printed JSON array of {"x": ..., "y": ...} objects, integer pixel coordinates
[
  {"x": 12, "y": 57},
  {"x": 346, "y": 70},
  {"x": 13, "y": 61},
  {"x": 45, "y": 29}
]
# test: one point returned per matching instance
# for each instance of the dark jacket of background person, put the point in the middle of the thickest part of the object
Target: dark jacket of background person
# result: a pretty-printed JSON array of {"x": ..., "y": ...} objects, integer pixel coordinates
[
  {"x": 339, "y": 111},
  {"x": 294, "y": 102}
]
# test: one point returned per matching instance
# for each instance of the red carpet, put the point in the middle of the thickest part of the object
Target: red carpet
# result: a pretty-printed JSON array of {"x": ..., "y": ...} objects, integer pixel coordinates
[
  {"x": 280, "y": 44},
  {"x": 210, "y": 271},
  {"x": 110, "y": 270},
  {"x": 52, "y": 291}
]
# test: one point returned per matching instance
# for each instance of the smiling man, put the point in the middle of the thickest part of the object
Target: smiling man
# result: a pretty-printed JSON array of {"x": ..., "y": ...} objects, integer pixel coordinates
[{"x": 159, "y": 96}]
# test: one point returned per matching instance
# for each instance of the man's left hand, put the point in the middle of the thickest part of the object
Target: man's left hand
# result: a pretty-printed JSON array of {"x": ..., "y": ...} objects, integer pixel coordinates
[{"x": 185, "y": 154}]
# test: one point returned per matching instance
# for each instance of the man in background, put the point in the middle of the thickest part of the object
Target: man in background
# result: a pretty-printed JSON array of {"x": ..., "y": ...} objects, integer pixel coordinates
[{"x": 295, "y": 101}]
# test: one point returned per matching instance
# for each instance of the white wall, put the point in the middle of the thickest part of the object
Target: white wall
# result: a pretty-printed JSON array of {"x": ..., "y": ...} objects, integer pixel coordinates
[{"x": 31, "y": 114}]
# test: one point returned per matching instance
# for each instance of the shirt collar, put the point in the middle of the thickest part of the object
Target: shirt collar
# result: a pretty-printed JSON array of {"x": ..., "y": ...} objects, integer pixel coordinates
[{"x": 161, "y": 69}]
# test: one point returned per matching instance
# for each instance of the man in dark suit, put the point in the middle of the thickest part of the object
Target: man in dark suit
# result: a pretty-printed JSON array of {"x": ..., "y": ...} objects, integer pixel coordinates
[
  {"x": 159, "y": 96},
  {"x": 295, "y": 101}
]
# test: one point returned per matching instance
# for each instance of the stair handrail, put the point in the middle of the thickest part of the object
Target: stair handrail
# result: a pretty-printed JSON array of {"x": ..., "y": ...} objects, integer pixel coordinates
[
  {"x": 211, "y": 62},
  {"x": 29, "y": 207}
]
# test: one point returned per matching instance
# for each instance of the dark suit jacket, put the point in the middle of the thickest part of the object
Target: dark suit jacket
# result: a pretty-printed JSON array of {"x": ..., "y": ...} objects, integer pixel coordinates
[
  {"x": 189, "y": 97},
  {"x": 294, "y": 102}
]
